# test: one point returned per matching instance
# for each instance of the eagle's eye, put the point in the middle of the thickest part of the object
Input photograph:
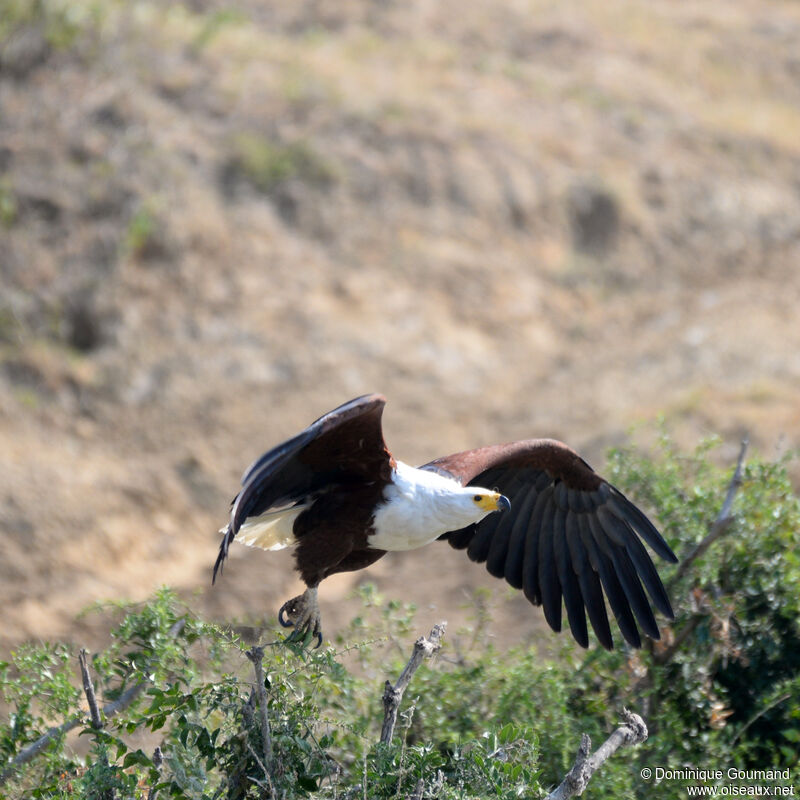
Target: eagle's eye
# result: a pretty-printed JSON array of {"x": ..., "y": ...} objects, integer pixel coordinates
[{"x": 477, "y": 498}]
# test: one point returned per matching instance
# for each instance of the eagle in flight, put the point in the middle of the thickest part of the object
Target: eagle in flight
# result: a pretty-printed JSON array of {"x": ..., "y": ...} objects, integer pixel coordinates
[{"x": 533, "y": 511}]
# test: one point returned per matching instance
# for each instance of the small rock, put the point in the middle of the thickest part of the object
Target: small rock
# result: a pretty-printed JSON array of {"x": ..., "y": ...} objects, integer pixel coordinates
[
  {"x": 25, "y": 49},
  {"x": 83, "y": 326},
  {"x": 594, "y": 218}
]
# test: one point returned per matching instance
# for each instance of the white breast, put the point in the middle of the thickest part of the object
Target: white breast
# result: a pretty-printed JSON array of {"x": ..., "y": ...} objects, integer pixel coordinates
[{"x": 420, "y": 506}]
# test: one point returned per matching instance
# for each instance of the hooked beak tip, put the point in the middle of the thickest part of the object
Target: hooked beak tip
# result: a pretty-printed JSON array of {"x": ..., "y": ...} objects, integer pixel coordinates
[{"x": 503, "y": 503}]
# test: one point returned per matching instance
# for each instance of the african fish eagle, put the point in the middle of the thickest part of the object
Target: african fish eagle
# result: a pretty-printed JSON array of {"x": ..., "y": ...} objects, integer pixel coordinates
[{"x": 337, "y": 495}]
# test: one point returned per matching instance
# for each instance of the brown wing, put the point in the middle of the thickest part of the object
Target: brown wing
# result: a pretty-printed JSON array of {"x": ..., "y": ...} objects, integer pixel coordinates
[
  {"x": 343, "y": 447},
  {"x": 569, "y": 534}
]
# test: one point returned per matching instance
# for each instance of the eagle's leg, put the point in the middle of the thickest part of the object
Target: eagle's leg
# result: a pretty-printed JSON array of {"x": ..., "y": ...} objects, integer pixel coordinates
[{"x": 302, "y": 613}]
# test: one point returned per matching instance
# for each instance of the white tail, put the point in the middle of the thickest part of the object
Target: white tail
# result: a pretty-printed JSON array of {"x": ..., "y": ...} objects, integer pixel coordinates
[{"x": 271, "y": 531}]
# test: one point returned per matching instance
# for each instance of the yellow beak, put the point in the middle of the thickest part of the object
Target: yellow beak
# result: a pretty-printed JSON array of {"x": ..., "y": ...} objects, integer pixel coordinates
[{"x": 501, "y": 503}]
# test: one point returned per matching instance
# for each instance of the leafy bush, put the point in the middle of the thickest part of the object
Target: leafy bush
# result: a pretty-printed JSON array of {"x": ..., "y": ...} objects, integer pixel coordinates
[
  {"x": 727, "y": 677},
  {"x": 720, "y": 690}
]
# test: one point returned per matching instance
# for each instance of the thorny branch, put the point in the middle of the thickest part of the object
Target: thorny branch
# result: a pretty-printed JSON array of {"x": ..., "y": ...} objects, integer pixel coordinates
[
  {"x": 631, "y": 731},
  {"x": 393, "y": 695}
]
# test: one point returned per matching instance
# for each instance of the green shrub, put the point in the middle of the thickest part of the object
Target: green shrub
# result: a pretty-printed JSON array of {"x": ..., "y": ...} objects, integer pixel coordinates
[
  {"x": 734, "y": 678},
  {"x": 721, "y": 690}
]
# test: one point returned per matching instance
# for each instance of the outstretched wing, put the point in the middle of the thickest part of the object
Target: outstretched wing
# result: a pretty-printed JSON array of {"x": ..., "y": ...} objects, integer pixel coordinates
[
  {"x": 569, "y": 534},
  {"x": 345, "y": 446}
]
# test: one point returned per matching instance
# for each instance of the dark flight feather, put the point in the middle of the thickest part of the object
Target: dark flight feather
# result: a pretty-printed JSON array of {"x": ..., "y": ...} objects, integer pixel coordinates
[
  {"x": 515, "y": 550},
  {"x": 569, "y": 535},
  {"x": 496, "y": 560},
  {"x": 589, "y": 582},
  {"x": 570, "y": 587},
  {"x": 530, "y": 567}
]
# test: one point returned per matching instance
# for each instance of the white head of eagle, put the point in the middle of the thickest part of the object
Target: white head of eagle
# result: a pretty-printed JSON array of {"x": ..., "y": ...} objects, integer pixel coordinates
[{"x": 420, "y": 505}]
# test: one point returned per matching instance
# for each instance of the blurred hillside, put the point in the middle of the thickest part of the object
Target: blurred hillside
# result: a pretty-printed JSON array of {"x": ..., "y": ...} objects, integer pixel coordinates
[{"x": 218, "y": 221}]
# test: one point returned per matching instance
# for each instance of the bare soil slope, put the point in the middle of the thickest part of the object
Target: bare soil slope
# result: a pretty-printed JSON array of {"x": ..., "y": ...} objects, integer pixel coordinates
[{"x": 514, "y": 219}]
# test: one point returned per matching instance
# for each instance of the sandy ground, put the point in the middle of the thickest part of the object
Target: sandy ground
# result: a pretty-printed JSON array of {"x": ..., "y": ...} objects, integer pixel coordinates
[{"x": 514, "y": 220}]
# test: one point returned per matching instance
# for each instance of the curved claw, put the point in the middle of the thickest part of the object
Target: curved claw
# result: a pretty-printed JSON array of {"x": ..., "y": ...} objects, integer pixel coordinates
[
  {"x": 284, "y": 621},
  {"x": 302, "y": 614}
]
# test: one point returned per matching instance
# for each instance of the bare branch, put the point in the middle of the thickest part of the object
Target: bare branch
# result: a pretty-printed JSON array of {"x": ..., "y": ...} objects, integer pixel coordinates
[
  {"x": 34, "y": 749},
  {"x": 631, "y": 731},
  {"x": 393, "y": 695},
  {"x": 721, "y": 523},
  {"x": 108, "y": 711},
  {"x": 94, "y": 713},
  {"x": 88, "y": 690},
  {"x": 418, "y": 790},
  {"x": 256, "y": 656}
]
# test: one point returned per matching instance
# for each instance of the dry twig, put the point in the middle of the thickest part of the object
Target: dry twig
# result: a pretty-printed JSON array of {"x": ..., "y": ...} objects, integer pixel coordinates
[
  {"x": 256, "y": 656},
  {"x": 263, "y": 784},
  {"x": 393, "y": 695},
  {"x": 94, "y": 713},
  {"x": 88, "y": 690},
  {"x": 631, "y": 731}
]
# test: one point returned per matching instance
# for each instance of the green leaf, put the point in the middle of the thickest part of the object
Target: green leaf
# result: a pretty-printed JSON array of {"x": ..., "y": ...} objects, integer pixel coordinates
[{"x": 136, "y": 758}]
